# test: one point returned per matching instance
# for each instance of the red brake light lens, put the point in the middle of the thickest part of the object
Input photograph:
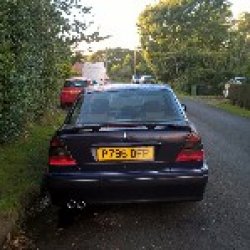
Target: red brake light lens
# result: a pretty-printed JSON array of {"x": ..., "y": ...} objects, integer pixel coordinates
[
  {"x": 61, "y": 160},
  {"x": 190, "y": 156},
  {"x": 59, "y": 155},
  {"x": 192, "y": 151}
]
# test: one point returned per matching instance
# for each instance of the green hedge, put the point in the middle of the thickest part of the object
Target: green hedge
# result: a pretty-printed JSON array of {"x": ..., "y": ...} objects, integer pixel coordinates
[
  {"x": 240, "y": 95},
  {"x": 36, "y": 41},
  {"x": 33, "y": 56},
  {"x": 26, "y": 99}
]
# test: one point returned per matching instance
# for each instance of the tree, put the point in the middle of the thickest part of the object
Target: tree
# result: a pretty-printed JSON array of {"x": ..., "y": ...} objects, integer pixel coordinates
[
  {"x": 120, "y": 62},
  {"x": 239, "y": 58},
  {"x": 36, "y": 38},
  {"x": 186, "y": 40},
  {"x": 77, "y": 57}
]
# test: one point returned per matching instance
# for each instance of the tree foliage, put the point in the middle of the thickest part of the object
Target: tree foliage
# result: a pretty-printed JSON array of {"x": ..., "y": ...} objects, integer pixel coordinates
[
  {"x": 121, "y": 62},
  {"x": 191, "y": 41},
  {"x": 239, "y": 57},
  {"x": 36, "y": 37}
]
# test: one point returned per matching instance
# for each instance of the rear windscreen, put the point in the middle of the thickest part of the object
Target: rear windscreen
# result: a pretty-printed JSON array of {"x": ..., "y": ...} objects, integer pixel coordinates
[
  {"x": 135, "y": 105},
  {"x": 76, "y": 83}
]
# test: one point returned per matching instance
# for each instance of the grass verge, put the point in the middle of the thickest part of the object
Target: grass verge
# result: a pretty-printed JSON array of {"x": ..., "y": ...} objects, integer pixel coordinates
[
  {"x": 234, "y": 109},
  {"x": 223, "y": 104},
  {"x": 23, "y": 163}
]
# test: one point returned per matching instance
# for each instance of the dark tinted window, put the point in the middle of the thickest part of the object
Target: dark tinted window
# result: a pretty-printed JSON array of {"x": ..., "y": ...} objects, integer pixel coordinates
[
  {"x": 135, "y": 105},
  {"x": 76, "y": 83}
]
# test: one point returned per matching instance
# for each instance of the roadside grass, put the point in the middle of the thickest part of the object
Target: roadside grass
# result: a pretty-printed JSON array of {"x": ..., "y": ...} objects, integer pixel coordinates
[
  {"x": 224, "y": 104},
  {"x": 234, "y": 109},
  {"x": 23, "y": 163}
]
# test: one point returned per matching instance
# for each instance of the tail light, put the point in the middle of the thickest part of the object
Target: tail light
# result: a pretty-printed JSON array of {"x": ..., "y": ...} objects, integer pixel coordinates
[
  {"x": 59, "y": 154},
  {"x": 192, "y": 151},
  {"x": 73, "y": 92}
]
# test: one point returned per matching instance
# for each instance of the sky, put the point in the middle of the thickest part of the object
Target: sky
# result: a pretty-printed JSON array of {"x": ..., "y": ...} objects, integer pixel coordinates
[{"x": 118, "y": 18}]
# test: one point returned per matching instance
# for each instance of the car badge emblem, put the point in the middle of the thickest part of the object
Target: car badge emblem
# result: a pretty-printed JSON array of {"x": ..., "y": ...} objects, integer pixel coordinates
[{"x": 125, "y": 135}]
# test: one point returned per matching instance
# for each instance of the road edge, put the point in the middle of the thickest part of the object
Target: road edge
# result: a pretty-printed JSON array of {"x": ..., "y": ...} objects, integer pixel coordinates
[{"x": 231, "y": 109}]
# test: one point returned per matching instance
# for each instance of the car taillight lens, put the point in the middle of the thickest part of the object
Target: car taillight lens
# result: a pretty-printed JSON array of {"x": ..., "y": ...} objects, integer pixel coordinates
[
  {"x": 59, "y": 155},
  {"x": 73, "y": 92},
  {"x": 190, "y": 156},
  {"x": 192, "y": 150},
  {"x": 61, "y": 160}
]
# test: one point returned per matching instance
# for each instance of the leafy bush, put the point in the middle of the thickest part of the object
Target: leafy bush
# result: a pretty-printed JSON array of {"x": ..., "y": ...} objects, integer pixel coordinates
[
  {"x": 240, "y": 95},
  {"x": 26, "y": 99},
  {"x": 36, "y": 37}
]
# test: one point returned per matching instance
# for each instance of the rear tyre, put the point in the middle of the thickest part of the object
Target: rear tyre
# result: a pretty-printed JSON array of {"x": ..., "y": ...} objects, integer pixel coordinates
[{"x": 66, "y": 216}]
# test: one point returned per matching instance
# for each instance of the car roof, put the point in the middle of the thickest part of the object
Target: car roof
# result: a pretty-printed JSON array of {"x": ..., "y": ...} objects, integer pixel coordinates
[{"x": 110, "y": 87}]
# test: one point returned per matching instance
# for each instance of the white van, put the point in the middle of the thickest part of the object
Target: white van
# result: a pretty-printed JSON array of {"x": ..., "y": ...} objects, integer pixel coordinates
[{"x": 96, "y": 72}]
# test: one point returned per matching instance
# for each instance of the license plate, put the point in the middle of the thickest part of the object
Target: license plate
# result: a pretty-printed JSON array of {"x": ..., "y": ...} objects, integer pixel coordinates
[{"x": 125, "y": 154}]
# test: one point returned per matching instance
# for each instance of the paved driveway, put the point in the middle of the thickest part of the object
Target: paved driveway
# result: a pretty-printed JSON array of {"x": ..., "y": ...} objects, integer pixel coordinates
[{"x": 221, "y": 221}]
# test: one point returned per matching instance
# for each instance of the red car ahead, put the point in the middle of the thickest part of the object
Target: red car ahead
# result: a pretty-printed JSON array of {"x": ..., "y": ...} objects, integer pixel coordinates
[{"x": 71, "y": 89}]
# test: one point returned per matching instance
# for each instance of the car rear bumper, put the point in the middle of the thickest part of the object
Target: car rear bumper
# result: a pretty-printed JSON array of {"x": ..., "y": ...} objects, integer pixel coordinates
[
  {"x": 67, "y": 101},
  {"x": 126, "y": 187}
]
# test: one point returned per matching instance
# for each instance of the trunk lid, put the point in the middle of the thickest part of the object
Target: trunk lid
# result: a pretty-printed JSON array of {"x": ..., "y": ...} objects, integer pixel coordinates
[{"x": 167, "y": 142}]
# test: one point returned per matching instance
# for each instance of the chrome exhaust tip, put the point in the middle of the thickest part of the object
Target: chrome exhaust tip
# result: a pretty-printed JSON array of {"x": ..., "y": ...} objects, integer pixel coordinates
[
  {"x": 81, "y": 205},
  {"x": 72, "y": 204}
]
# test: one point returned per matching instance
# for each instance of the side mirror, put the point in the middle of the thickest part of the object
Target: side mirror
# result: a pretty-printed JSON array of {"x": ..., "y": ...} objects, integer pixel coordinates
[{"x": 184, "y": 107}]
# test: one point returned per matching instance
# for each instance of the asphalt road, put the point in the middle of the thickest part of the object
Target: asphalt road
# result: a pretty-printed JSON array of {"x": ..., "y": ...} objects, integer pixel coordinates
[{"x": 221, "y": 221}]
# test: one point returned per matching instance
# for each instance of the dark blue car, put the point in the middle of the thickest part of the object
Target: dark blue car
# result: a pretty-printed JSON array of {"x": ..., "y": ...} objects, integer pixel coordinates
[{"x": 126, "y": 143}]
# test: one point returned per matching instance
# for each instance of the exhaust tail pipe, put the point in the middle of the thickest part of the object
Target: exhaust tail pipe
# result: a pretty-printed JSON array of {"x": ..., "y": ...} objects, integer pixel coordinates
[
  {"x": 81, "y": 205},
  {"x": 72, "y": 204}
]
